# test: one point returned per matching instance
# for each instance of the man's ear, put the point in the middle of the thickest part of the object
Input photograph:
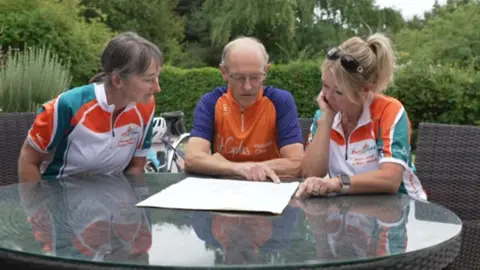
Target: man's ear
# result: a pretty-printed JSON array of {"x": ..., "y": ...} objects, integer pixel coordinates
[
  {"x": 116, "y": 80},
  {"x": 224, "y": 72},
  {"x": 267, "y": 67}
]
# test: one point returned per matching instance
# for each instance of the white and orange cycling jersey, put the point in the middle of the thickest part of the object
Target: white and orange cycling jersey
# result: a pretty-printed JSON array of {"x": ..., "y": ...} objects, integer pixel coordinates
[
  {"x": 381, "y": 135},
  {"x": 77, "y": 130}
]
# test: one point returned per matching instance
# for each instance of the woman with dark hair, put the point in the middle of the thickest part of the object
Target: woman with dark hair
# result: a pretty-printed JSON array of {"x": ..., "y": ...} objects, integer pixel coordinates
[{"x": 99, "y": 128}]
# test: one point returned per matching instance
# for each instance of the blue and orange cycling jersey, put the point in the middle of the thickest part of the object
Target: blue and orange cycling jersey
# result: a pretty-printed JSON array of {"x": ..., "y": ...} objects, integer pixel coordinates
[{"x": 255, "y": 133}]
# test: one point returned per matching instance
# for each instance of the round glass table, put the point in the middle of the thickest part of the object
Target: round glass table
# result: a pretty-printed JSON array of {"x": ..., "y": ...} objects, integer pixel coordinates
[{"x": 91, "y": 222}]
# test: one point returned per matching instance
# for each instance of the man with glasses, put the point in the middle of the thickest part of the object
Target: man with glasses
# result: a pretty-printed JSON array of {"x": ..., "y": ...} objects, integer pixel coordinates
[{"x": 245, "y": 129}]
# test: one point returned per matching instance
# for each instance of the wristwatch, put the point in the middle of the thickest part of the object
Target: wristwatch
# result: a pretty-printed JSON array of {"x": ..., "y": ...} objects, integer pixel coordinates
[{"x": 345, "y": 183}]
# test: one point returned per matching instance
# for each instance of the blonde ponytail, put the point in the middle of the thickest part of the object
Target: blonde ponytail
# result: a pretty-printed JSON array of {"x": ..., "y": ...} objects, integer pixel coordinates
[{"x": 385, "y": 61}]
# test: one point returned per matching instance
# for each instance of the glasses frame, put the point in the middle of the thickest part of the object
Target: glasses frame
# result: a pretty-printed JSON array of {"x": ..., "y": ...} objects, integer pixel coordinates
[{"x": 244, "y": 79}]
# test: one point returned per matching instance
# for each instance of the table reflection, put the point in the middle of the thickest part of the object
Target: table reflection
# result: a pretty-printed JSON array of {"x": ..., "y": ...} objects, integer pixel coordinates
[
  {"x": 95, "y": 219},
  {"x": 242, "y": 238},
  {"x": 358, "y": 227},
  {"x": 92, "y": 218}
]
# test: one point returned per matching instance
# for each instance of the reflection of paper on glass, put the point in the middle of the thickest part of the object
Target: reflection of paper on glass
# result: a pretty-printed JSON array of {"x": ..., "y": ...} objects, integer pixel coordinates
[{"x": 221, "y": 194}]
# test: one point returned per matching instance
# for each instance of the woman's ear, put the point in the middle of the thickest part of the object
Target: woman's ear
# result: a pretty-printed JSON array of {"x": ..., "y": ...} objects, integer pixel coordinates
[{"x": 116, "y": 80}]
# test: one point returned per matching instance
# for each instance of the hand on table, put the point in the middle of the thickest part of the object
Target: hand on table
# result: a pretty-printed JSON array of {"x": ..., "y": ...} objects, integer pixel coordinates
[
  {"x": 256, "y": 172},
  {"x": 318, "y": 186}
]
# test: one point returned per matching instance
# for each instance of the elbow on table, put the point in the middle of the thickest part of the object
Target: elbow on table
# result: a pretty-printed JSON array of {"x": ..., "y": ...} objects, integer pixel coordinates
[
  {"x": 190, "y": 161},
  {"x": 394, "y": 181},
  {"x": 394, "y": 186},
  {"x": 292, "y": 171}
]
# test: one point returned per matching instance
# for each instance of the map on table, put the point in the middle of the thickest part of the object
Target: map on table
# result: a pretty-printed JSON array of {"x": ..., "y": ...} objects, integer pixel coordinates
[{"x": 215, "y": 194}]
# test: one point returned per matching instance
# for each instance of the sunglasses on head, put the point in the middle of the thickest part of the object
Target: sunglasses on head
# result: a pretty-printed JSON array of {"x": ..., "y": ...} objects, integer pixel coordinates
[{"x": 348, "y": 62}]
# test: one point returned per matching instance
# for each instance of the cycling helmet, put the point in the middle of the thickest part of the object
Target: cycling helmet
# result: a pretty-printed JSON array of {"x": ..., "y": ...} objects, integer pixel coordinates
[{"x": 159, "y": 129}]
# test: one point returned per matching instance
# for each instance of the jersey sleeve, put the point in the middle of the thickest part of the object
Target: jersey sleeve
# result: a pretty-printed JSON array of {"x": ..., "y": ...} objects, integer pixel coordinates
[
  {"x": 50, "y": 125},
  {"x": 288, "y": 124},
  {"x": 204, "y": 118},
  {"x": 314, "y": 126},
  {"x": 394, "y": 135},
  {"x": 146, "y": 142}
]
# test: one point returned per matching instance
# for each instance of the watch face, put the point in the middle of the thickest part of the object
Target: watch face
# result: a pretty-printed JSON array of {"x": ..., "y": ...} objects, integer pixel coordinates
[{"x": 345, "y": 180}]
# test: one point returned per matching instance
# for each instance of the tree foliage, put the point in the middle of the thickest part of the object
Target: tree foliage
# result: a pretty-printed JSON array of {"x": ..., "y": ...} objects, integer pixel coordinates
[
  {"x": 449, "y": 36},
  {"x": 58, "y": 25},
  {"x": 152, "y": 19}
]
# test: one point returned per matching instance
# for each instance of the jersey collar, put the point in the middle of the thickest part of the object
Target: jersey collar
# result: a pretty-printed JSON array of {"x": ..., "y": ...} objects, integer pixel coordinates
[
  {"x": 101, "y": 95},
  {"x": 365, "y": 117},
  {"x": 232, "y": 98}
]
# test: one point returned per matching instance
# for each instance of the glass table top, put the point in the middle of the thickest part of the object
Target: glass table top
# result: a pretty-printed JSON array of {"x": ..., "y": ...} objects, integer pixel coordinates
[{"x": 95, "y": 219}]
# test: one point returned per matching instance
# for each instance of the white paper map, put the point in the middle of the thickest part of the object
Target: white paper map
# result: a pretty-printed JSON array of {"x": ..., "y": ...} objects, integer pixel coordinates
[{"x": 224, "y": 195}]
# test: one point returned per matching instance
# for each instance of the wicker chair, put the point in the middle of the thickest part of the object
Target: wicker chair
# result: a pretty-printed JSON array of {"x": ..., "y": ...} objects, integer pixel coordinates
[
  {"x": 448, "y": 165},
  {"x": 13, "y": 131},
  {"x": 305, "y": 124}
]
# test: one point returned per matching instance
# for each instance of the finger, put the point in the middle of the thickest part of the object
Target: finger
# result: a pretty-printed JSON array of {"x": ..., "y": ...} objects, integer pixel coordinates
[
  {"x": 262, "y": 174},
  {"x": 301, "y": 190},
  {"x": 324, "y": 103},
  {"x": 249, "y": 174},
  {"x": 315, "y": 186},
  {"x": 252, "y": 172},
  {"x": 323, "y": 190},
  {"x": 257, "y": 173},
  {"x": 272, "y": 175},
  {"x": 310, "y": 187}
]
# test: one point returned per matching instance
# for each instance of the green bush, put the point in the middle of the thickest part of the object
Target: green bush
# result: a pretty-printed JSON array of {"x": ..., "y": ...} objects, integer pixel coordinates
[
  {"x": 59, "y": 25},
  {"x": 29, "y": 78},
  {"x": 442, "y": 94},
  {"x": 182, "y": 88}
]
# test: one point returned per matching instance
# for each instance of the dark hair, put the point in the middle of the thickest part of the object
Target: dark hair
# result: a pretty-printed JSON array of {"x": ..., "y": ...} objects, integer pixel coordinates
[{"x": 127, "y": 54}]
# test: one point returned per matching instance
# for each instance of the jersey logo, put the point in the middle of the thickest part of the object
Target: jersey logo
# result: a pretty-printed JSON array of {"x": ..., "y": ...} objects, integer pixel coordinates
[{"x": 128, "y": 137}]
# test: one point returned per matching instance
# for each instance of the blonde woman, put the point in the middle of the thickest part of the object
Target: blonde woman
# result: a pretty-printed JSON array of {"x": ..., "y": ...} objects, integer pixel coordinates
[{"x": 360, "y": 139}]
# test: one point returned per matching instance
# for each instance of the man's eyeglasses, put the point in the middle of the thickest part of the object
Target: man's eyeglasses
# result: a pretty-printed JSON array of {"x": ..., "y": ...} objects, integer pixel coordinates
[
  {"x": 254, "y": 78},
  {"x": 348, "y": 62}
]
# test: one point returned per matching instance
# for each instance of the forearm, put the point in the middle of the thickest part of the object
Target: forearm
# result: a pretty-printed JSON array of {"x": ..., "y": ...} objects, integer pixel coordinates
[
  {"x": 285, "y": 167},
  {"x": 315, "y": 160},
  {"x": 28, "y": 172},
  {"x": 214, "y": 165},
  {"x": 136, "y": 166},
  {"x": 378, "y": 181},
  {"x": 135, "y": 170}
]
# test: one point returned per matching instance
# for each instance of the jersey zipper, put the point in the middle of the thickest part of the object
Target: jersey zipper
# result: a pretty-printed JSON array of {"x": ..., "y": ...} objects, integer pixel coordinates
[
  {"x": 243, "y": 122},
  {"x": 346, "y": 149},
  {"x": 346, "y": 143},
  {"x": 112, "y": 125}
]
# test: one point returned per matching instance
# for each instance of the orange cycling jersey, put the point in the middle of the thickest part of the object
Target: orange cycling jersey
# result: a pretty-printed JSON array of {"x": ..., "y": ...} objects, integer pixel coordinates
[{"x": 255, "y": 133}]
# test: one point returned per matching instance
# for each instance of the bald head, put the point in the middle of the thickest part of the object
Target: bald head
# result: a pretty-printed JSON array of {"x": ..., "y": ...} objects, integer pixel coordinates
[{"x": 244, "y": 46}]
